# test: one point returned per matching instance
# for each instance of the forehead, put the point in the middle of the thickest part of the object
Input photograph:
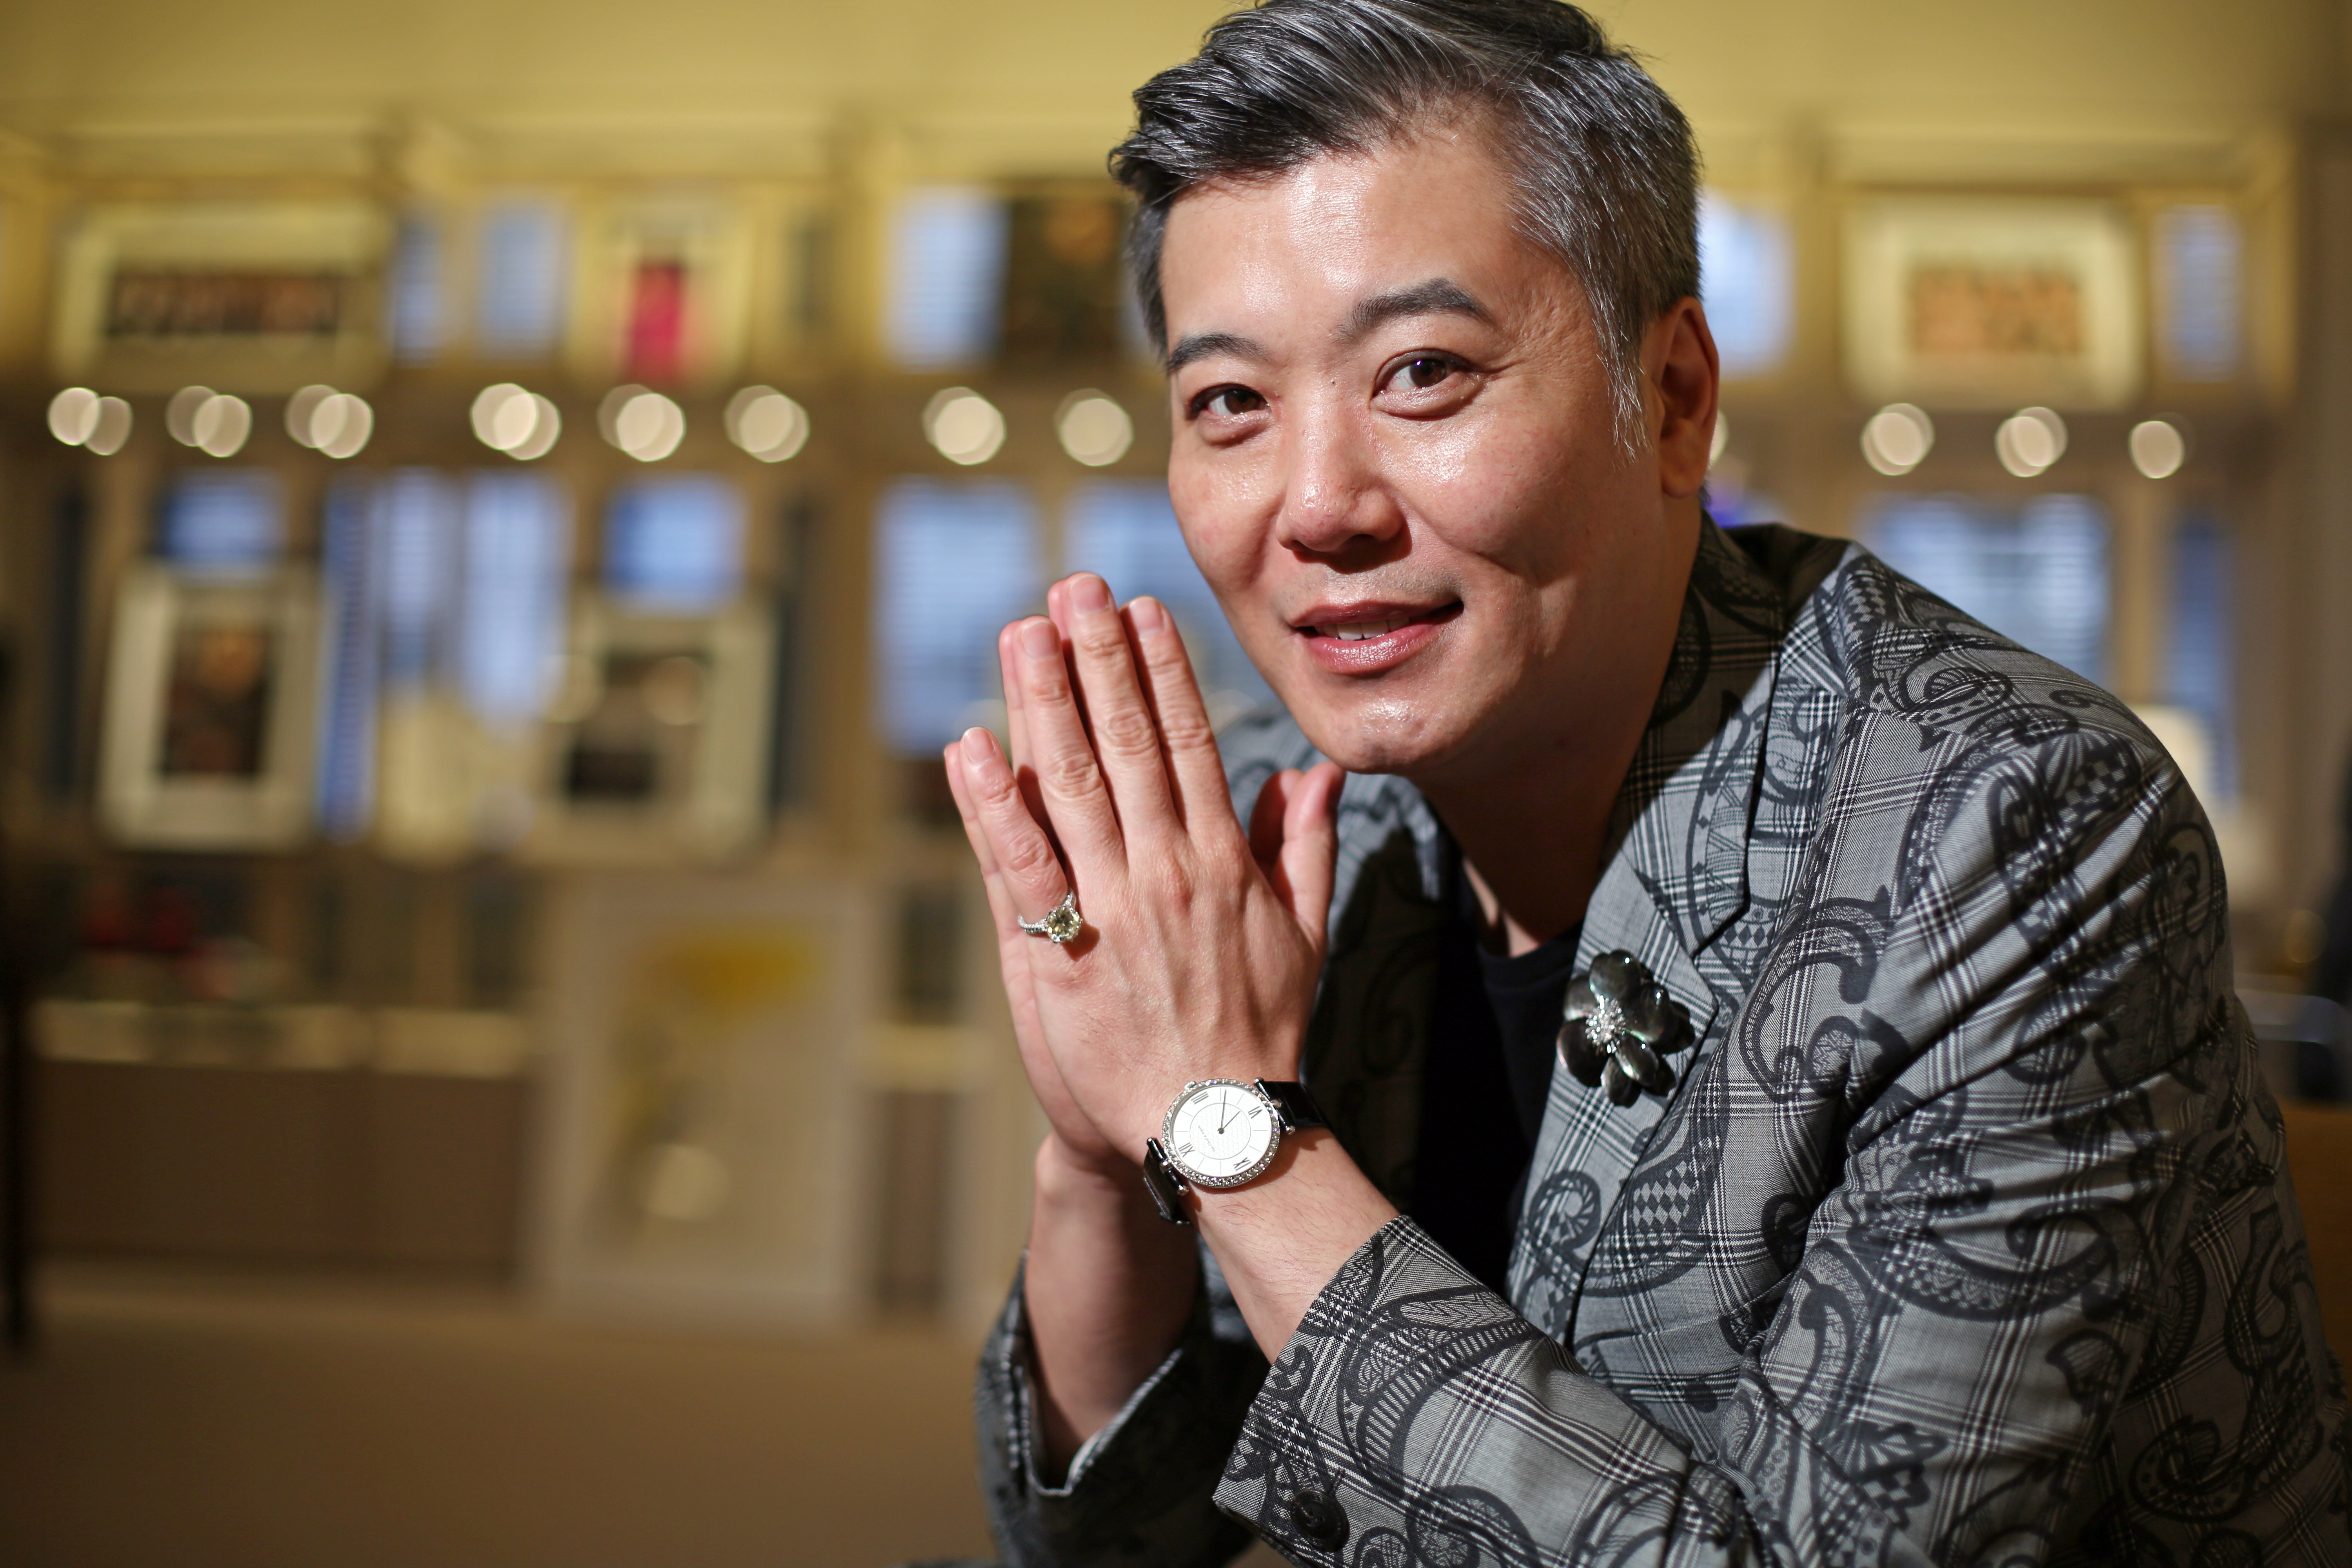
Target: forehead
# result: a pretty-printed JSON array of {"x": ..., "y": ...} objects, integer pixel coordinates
[{"x": 1339, "y": 227}]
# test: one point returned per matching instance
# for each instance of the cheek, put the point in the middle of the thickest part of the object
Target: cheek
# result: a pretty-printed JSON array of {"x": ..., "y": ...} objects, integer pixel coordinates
[
  {"x": 1223, "y": 523},
  {"x": 1508, "y": 490}
]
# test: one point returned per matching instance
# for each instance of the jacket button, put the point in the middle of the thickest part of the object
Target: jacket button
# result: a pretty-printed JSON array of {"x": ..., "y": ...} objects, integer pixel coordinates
[{"x": 1318, "y": 1519}]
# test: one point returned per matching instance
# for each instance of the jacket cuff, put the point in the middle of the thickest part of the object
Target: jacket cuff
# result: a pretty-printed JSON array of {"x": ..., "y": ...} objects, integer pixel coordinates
[
  {"x": 1137, "y": 1492},
  {"x": 1009, "y": 1348}
]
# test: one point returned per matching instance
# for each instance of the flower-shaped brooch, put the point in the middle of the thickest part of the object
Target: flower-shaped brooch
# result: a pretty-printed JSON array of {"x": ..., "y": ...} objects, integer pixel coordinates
[{"x": 1621, "y": 1026}]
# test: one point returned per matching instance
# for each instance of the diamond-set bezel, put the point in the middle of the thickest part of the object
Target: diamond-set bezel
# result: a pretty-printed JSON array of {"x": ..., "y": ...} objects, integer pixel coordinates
[{"x": 1183, "y": 1168}]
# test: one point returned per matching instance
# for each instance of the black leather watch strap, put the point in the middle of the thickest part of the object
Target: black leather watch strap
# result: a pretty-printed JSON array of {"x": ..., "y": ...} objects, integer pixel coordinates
[
  {"x": 1298, "y": 1108},
  {"x": 1166, "y": 1187}
]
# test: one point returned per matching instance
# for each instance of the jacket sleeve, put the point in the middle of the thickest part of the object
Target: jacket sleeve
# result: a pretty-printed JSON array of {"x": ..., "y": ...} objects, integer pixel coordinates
[
  {"x": 1138, "y": 1494},
  {"x": 2056, "y": 1182}
]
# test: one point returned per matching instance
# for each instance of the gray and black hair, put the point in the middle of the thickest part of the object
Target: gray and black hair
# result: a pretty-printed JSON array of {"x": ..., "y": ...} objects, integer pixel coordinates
[{"x": 1607, "y": 173}]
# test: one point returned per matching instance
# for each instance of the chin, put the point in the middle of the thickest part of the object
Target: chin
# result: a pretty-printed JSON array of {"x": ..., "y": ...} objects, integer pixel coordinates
[{"x": 1384, "y": 736}]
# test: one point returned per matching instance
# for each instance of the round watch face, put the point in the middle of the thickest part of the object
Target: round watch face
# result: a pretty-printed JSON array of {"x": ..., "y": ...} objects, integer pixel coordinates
[{"x": 1220, "y": 1133}]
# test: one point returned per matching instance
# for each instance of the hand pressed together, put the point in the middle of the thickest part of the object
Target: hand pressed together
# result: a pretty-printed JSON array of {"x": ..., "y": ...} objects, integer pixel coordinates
[{"x": 1201, "y": 943}]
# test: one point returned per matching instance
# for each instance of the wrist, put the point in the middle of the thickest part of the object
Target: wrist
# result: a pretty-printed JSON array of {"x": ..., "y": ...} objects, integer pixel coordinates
[
  {"x": 1282, "y": 1237},
  {"x": 1223, "y": 1134},
  {"x": 1066, "y": 1178},
  {"x": 1107, "y": 1290}
]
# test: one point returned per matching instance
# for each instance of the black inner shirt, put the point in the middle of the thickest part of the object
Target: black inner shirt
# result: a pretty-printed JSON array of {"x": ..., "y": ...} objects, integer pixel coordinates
[{"x": 1492, "y": 1042}]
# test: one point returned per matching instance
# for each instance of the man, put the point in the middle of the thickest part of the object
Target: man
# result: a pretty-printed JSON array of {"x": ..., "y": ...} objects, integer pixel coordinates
[{"x": 1904, "y": 1190}]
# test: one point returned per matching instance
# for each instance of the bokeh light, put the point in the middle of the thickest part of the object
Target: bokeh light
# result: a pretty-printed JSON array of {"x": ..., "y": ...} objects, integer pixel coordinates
[
  {"x": 336, "y": 422},
  {"x": 643, "y": 424},
  {"x": 219, "y": 424},
  {"x": 1898, "y": 438},
  {"x": 2158, "y": 448},
  {"x": 73, "y": 415},
  {"x": 180, "y": 414},
  {"x": 81, "y": 417},
  {"x": 963, "y": 426},
  {"x": 1095, "y": 430},
  {"x": 112, "y": 429},
  {"x": 515, "y": 420},
  {"x": 767, "y": 424},
  {"x": 2030, "y": 442}
]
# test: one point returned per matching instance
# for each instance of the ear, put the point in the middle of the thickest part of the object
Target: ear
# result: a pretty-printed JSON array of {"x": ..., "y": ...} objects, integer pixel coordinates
[{"x": 1678, "y": 360}]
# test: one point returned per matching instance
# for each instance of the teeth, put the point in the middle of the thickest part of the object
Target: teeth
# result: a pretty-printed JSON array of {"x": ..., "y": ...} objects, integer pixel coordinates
[{"x": 1357, "y": 631}]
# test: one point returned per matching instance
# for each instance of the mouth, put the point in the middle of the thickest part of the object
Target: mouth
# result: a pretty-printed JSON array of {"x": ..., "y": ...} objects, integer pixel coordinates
[
  {"x": 1362, "y": 639},
  {"x": 1357, "y": 631}
]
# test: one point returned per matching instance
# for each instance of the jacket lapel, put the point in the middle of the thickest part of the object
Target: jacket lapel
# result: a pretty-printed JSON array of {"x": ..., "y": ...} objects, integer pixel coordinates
[
  {"x": 1675, "y": 879},
  {"x": 1680, "y": 826}
]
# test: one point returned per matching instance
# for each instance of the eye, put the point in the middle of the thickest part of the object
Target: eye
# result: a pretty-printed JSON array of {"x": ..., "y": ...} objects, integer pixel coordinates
[
  {"x": 1227, "y": 402},
  {"x": 1421, "y": 372}
]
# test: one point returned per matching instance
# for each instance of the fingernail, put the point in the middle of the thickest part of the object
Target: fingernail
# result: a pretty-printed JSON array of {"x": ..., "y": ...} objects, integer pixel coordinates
[
  {"x": 979, "y": 744},
  {"x": 1089, "y": 593},
  {"x": 1149, "y": 615},
  {"x": 1040, "y": 640}
]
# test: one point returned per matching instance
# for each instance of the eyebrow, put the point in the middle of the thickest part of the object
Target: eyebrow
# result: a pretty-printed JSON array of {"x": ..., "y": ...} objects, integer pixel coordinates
[
  {"x": 1201, "y": 345},
  {"x": 1437, "y": 295}
]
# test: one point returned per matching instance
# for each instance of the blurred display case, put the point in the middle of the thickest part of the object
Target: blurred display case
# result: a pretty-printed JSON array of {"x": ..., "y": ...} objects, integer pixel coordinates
[{"x": 577, "y": 616}]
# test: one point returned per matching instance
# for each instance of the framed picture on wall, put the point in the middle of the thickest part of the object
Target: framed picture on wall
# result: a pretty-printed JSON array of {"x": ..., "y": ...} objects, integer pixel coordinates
[
  {"x": 670, "y": 293},
  {"x": 1991, "y": 303},
  {"x": 704, "y": 1144},
  {"x": 211, "y": 710},
  {"x": 256, "y": 296},
  {"x": 657, "y": 749},
  {"x": 1063, "y": 284}
]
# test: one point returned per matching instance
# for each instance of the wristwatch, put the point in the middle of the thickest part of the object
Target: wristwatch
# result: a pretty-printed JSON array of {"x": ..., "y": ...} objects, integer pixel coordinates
[{"x": 1220, "y": 1133}]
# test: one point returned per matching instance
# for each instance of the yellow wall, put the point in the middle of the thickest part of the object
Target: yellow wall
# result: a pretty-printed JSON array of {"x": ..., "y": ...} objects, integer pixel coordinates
[{"x": 98, "y": 83}]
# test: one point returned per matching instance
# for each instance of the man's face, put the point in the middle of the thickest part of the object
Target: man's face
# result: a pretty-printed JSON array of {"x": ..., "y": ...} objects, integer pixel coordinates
[{"x": 1395, "y": 461}]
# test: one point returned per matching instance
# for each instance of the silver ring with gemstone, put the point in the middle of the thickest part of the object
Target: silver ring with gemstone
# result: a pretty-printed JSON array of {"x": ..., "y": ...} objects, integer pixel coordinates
[{"x": 1062, "y": 922}]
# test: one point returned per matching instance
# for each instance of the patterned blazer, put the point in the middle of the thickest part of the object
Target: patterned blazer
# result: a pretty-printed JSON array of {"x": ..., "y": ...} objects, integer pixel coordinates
[{"x": 1964, "y": 1236}]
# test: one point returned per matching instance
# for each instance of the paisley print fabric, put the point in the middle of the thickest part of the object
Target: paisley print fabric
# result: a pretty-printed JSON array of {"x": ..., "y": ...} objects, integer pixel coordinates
[{"x": 1964, "y": 1237}]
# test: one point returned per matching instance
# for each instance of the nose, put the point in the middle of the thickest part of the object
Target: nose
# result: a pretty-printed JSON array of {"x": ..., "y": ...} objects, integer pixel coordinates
[{"x": 1333, "y": 500}]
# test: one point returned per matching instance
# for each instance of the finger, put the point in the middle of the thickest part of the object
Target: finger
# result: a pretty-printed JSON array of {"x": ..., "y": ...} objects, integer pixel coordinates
[
  {"x": 1077, "y": 801},
  {"x": 1295, "y": 840},
  {"x": 1016, "y": 727},
  {"x": 1118, "y": 717},
  {"x": 1016, "y": 718},
  {"x": 1057, "y": 610},
  {"x": 1000, "y": 903},
  {"x": 1197, "y": 772},
  {"x": 1273, "y": 805},
  {"x": 1023, "y": 856},
  {"x": 1044, "y": 1077},
  {"x": 1310, "y": 847}
]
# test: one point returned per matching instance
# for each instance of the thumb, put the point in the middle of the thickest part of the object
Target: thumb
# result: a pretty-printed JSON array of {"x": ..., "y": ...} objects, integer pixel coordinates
[{"x": 1310, "y": 843}]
